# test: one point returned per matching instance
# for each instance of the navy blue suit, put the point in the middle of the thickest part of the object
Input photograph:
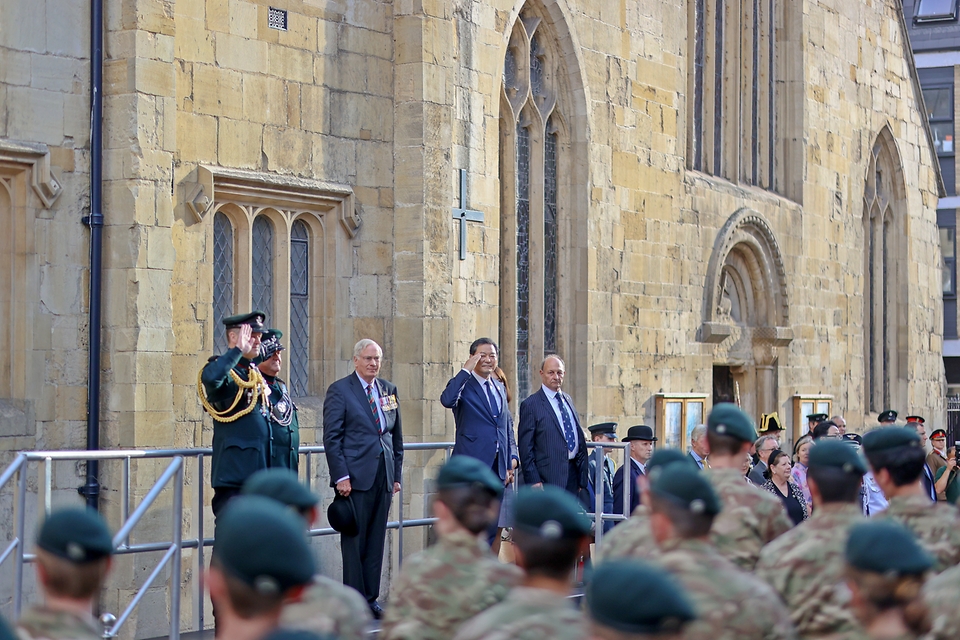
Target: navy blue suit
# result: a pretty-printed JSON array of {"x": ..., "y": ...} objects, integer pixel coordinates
[
  {"x": 543, "y": 449},
  {"x": 618, "y": 488},
  {"x": 480, "y": 434},
  {"x": 373, "y": 460}
]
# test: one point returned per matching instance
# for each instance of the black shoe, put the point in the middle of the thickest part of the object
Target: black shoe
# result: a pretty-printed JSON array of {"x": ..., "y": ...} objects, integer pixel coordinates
[{"x": 376, "y": 610}]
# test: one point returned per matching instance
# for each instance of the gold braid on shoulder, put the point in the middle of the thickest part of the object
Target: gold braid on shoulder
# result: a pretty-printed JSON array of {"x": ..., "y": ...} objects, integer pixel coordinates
[{"x": 256, "y": 382}]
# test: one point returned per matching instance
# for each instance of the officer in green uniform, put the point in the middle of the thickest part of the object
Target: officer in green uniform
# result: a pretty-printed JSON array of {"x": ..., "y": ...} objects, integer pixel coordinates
[
  {"x": 234, "y": 393},
  {"x": 284, "y": 425},
  {"x": 73, "y": 558}
]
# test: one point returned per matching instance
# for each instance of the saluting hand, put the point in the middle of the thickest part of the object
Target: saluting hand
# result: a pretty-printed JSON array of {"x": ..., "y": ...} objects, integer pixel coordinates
[
  {"x": 472, "y": 361},
  {"x": 245, "y": 341}
]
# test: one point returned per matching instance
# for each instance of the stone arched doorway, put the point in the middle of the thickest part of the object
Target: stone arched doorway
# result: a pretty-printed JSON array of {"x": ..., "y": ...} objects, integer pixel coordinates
[{"x": 745, "y": 313}]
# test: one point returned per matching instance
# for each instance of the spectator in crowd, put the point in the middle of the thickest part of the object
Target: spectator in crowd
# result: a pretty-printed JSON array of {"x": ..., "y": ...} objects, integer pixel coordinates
[
  {"x": 937, "y": 458},
  {"x": 801, "y": 451},
  {"x": 826, "y": 429},
  {"x": 947, "y": 484},
  {"x": 699, "y": 449},
  {"x": 764, "y": 447},
  {"x": 780, "y": 483}
]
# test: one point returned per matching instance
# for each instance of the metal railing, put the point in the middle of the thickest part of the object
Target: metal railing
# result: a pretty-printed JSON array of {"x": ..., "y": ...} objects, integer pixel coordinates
[{"x": 173, "y": 549}]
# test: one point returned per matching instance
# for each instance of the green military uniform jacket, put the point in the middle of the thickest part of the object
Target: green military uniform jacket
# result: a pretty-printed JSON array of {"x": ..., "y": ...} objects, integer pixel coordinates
[
  {"x": 42, "y": 623},
  {"x": 284, "y": 426},
  {"x": 936, "y": 525},
  {"x": 242, "y": 446},
  {"x": 630, "y": 539}
]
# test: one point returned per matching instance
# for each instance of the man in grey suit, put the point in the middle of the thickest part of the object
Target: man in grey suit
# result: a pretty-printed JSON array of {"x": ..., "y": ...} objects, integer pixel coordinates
[
  {"x": 364, "y": 448},
  {"x": 764, "y": 446},
  {"x": 553, "y": 449}
]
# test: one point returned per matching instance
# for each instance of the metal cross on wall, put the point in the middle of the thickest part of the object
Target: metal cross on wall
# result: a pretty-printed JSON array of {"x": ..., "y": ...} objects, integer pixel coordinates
[{"x": 465, "y": 215}]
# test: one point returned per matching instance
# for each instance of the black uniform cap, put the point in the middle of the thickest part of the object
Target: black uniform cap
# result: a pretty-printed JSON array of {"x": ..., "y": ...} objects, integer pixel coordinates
[{"x": 255, "y": 319}]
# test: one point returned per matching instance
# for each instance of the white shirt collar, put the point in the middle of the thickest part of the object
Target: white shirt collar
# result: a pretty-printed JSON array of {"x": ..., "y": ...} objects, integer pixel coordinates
[
  {"x": 376, "y": 390},
  {"x": 550, "y": 392},
  {"x": 483, "y": 381}
]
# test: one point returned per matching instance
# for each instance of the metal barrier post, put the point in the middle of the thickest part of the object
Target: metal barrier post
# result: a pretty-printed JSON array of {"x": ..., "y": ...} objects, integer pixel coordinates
[
  {"x": 598, "y": 490},
  {"x": 47, "y": 484},
  {"x": 201, "y": 568},
  {"x": 125, "y": 497},
  {"x": 400, "y": 528},
  {"x": 175, "y": 576},
  {"x": 21, "y": 536}
]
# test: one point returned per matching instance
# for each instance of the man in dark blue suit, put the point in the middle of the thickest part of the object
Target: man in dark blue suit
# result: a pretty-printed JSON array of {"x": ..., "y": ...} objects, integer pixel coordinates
[
  {"x": 479, "y": 404},
  {"x": 641, "y": 441},
  {"x": 552, "y": 447},
  {"x": 364, "y": 448}
]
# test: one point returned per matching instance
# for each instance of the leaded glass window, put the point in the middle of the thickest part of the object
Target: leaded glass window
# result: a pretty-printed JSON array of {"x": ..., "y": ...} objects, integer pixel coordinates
[
  {"x": 262, "y": 272},
  {"x": 550, "y": 246},
  {"x": 523, "y": 255},
  {"x": 222, "y": 278},
  {"x": 299, "y": 343}
]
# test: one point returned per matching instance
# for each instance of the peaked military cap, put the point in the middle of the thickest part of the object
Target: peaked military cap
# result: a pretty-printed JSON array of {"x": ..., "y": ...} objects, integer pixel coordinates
[
  {"x": 887, "y": 416},
  {"x": 817, "y": 417},
  {"x": 603, "y": 429},
  {"x": 612, "y": 598},
  {"x": 887, "y": 438},
  {"x": 76, "y": 534},
  {"x": 281, "y": 485},
  {"x": 550, "y": 512},
  {"x": 663, "y": 457},
  {"x": 886, "y": 546},
  {"x": 834, "y": 453},
  {"x": 465, "y": 471},
  {"x": 915, "y": 419},
  {"x": 270, "y": 343},
  {"x": 639, "y": 432},
  {"x": 254, "y": 319},
  {"x": 250, "y": 531},
  {"x": 852, "y": 437},
  {"x": 685, "y": 487},
  {"x": 728, "y": 419},
  {"x": 938, "y": 433}
]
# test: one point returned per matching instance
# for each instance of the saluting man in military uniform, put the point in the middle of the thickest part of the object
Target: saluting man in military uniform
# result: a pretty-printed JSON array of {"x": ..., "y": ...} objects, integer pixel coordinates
[
  {"x": 235, "y": 394},
  {"x": 284, "y": 425}
]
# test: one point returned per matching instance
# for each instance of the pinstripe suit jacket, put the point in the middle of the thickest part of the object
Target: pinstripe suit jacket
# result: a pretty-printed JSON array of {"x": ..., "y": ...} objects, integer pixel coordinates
[{"x": 543, "y": 449}]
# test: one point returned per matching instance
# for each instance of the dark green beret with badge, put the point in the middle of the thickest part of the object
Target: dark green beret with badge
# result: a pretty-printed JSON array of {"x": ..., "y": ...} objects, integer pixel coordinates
[
  {"x": 465, "y": 471},
  {"x": 612, "y": 599},
  {"x": 885, "y": 546},
  {"x": 663, "y": 457},
  {"x": 281, "y": 485},
  {"x": 255, "y": 319},
  {"x": 250, "y": 532},
  {"x": 75, "y": 534},
  {"x": 890, "y": 438},
  {"x": 685, "y": 487},
  {"x": 269, "y": 344},
  {"x": 727, "y": 419},
  {"x": 550, "y": 512},
  {"x": 296, "y": 634},
  {"x": 838, "y": 454}
]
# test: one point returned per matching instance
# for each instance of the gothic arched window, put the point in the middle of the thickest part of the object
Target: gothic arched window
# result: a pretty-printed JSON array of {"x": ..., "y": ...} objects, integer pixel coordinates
[
  {"x": 222, "y": 277},
  {"x": 263, "y": 264},
  {"x": 299, "y": 352}
]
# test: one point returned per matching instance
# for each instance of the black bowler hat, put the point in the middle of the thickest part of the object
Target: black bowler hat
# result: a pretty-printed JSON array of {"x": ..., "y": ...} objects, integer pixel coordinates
[
  {"x": 639, "y": 432},
  {"x": 887, "y": 416},
  {"x": 603, "y": 429},
  {"x": 342, "y": 516}
]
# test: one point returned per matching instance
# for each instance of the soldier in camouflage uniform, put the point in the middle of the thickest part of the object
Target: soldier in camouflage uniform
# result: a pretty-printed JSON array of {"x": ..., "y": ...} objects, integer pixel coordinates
[
  {"x": 751, "y": 517},
  {"x": 683, "y": 506},
  {"x": 633, "y": 538},
  {"x": 942, "y": 595},
  {"x": 634, "y": 601},
  {"x": 886, "y": 568},
  {"x": 550, "y": 533},
  {"x": 457, "y": 578},
  {"x": 897, "y": 458},
  {"x": 326, "y": 606},
  {"x": 805, "y": 565},
  {"x": 73, "y": 558}
]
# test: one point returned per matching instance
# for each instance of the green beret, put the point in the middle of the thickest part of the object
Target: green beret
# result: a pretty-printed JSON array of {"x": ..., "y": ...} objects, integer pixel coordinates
[
  {"x": 254, "y": 319},
  {"x": 838, "y": 454},
  {"x": 727, "y": 419},
  {"x": 885, "y": 546},
  {"x": 76, "y": 534},
  {"x": 463, "y": 471},
  {"x": 296, "y": 634},
  {"x": 663, "y": 457},
  {"x": 249, "y": 532},
  {"x": 686, "y": 487},
  {"x": 6, "y": 632},
  {"x": 281, "y": 485},
  {"x": 887, "y": 438},
  {"x": 612, "y": 598},
  {"x": 550, "y": 512}
]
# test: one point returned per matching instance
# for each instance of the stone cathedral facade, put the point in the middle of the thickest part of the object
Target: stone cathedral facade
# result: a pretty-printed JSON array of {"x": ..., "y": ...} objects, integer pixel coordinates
[{"x": 689, "y": 200}]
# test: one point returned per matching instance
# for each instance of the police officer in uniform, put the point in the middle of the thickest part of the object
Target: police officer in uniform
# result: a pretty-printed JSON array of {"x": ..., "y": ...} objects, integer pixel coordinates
[
  {"x": 284, "y": 425},
  {"x": 73, "y": 558},
  {"x": 234, "y": 393}
]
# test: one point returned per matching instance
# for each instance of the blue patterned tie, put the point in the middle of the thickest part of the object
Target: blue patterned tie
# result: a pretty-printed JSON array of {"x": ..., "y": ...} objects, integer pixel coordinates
[
  {"x": 492, "y": 400},
  {"x": 373, "y": 407},
  {"x": 568, "y": 434}
]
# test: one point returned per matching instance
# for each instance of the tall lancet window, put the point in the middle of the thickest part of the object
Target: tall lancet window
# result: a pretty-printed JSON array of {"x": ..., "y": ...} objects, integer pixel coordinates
[
  {"x": 222, "y": 278},
  {"x": 533, "y": 163}
]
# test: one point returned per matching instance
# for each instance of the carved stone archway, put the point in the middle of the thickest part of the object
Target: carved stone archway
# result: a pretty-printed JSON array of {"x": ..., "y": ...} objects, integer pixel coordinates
[{"x": 745, "y": 310}]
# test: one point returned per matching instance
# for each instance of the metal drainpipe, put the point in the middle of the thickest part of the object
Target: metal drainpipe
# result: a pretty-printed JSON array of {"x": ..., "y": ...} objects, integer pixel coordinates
[{"x": 91, "y": 490}]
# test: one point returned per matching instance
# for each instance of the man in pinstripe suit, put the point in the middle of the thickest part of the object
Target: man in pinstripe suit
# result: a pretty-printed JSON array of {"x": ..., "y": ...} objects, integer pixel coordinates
[{"x": 552, "y": 447}]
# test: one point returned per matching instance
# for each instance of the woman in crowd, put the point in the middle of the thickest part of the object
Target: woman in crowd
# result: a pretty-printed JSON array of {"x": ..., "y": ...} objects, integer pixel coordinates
[
  {"x": 780, "y": 483},
  {"x": 800, "y": 453}
]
